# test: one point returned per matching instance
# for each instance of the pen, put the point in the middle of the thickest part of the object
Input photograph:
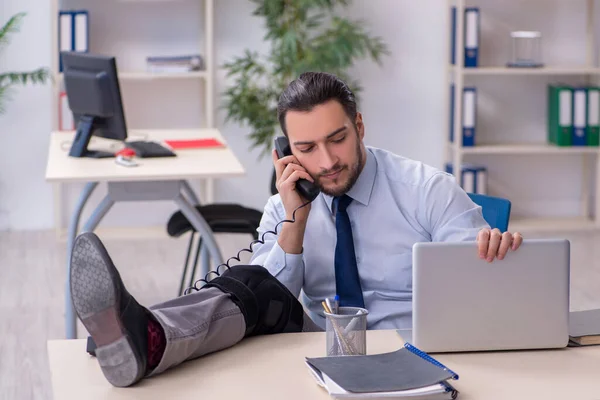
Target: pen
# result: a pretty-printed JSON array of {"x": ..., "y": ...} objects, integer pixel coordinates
[
  {"x": 352, "y": 325},
  {"x": 331, "y": 306},
  {"x": 336, "y": 304}
]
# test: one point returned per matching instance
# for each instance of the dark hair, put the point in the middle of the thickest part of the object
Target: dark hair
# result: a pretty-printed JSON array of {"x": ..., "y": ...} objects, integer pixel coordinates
[{"x": 311, "y": 89}]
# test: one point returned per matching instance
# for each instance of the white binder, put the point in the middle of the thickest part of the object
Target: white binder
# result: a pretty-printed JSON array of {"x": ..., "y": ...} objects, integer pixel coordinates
[
  {"x": 81, "y": 31},
  {"x": 65, "y": 33}
]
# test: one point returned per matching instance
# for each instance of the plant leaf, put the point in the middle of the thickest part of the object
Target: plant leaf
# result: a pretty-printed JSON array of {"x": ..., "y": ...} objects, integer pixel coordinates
[
  {"x": 11, "y": 26},
  {"x": 40, "y": 75},
  {"x": 304, "y": 35}
]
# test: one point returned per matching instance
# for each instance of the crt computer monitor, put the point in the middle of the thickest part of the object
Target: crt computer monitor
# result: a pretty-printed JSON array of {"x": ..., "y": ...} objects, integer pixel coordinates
[{"x": 94, "y": 95}]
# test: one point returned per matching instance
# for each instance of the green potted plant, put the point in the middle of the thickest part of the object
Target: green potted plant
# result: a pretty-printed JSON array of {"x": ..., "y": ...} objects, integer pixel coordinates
[
  {"x": 306, "y": 35},
  {"x": 11, "y": 79}
]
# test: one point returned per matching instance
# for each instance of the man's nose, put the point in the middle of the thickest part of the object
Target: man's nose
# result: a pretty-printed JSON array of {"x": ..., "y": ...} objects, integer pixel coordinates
[{"x": 327, "y": 159}]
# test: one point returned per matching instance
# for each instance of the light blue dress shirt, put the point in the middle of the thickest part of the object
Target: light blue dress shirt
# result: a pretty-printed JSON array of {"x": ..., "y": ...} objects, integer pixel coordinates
[{"x": 396, "y": 203}]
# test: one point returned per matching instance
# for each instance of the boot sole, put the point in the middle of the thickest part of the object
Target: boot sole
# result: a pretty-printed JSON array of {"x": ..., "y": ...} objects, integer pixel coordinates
[{"x": 95, "y": 293}]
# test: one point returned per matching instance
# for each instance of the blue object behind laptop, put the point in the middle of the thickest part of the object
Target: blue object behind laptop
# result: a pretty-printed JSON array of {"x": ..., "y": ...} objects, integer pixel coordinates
[{"x": 496, "y": 210}]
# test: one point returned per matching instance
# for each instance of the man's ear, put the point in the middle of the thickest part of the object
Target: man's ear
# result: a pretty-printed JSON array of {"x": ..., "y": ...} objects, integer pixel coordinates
[{"x": 360, "y": 127}]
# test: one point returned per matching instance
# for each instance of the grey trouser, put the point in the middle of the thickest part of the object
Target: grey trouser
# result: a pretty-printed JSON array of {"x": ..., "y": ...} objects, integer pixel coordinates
[{"x": 200, "y": 323}]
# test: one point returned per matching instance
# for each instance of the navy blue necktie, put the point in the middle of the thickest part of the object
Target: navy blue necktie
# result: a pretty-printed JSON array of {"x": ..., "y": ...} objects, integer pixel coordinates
[{"x": 346, "y": 271}]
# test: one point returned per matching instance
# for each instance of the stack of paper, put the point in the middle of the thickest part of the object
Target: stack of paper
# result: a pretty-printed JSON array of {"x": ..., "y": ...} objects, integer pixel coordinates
[
  {"x": 407, "y": 373},
  {"x": 175, "y": 64}
]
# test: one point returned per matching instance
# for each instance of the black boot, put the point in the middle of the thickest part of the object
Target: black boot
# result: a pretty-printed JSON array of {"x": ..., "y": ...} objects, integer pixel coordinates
[
  {"x": 114, "y": 319},
  {"x": 268, "y": 306}
]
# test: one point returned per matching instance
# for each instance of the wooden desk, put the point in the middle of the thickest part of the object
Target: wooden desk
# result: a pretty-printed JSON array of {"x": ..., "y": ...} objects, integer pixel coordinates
[
  {"x": 189, "y": 163},
  {"x": 272, "y": 367},
  {"x": 155, "y": 179}
]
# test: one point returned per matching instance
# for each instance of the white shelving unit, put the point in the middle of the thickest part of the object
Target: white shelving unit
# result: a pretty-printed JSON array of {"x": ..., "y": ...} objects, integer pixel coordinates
[
  {"x": 575, "y": 70},
  {"x": 207, "y": 76},
  {"x": 129, "y": 75},
  {"x": 457, "y": 154}
]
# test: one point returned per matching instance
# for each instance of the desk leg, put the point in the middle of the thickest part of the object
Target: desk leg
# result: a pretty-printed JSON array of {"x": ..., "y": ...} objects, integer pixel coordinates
[
  {"x": 70, "y": 318},
  {"x": 206, "y": 262},
  {"x": 208, "y": 239},
  {"x": 209, "y": 188},
  {"x": 190, "y": 192},
  {"x": 98, "y": 214},
  {"x": 58, "y": 209}
]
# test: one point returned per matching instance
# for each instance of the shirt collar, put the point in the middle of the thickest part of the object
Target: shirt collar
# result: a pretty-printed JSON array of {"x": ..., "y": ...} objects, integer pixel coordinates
[{"x": 361, "y": 191}]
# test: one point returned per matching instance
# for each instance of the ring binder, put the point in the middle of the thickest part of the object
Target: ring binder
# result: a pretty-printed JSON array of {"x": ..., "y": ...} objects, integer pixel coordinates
[
  {"x": 385, "y": 375},
  {"x": 427, "y": 357}
]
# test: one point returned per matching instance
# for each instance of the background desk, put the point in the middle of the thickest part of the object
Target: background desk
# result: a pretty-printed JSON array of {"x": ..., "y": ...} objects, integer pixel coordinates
[
  {"x": 272, "y": 367},
  {"x": 155, "y": 179}
]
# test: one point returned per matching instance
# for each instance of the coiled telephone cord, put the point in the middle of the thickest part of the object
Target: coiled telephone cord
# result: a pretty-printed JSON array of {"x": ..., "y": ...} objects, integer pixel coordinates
[{"x": 248, "y": 250}]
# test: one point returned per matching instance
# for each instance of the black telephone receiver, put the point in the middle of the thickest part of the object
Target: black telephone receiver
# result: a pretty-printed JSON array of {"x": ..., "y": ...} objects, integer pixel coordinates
[{"x": 306, "y": 188}]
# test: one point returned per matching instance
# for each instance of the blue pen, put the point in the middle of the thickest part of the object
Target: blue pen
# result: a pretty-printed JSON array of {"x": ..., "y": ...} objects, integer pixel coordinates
[{"x": 336, "y": 303}]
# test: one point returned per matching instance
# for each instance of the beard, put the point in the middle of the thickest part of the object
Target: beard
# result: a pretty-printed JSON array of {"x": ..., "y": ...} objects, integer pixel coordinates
[{"x": 354, "y": 174}]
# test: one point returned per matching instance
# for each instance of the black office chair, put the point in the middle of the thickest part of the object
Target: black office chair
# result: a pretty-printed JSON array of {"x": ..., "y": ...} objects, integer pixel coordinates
[{"x": 221, "y": 218}]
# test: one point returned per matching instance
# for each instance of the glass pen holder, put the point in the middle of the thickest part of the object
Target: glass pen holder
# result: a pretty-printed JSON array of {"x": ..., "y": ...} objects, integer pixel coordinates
[
  {"x": 526, "y": 49},
  {"x": 346, "y": 332}
]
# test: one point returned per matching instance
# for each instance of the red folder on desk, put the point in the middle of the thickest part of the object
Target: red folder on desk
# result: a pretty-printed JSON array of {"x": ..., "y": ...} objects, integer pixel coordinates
[{"x": 194, "y": 144}]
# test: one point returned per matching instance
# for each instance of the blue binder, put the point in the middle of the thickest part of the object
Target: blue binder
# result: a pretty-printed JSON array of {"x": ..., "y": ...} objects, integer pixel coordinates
[
  {"x": 473, "y": 177},
  {"x": 472, "y": 33},
  {"x": 579, "y": 137},
  {"x": 469, "y": 120},
  {"x": 451, "y": 113},
  {"x": 68, "y": 45},
  {"x": 77, "y": 28},
  {"x": 453, "y": 35},
  {"x": 81, "y": 37}
]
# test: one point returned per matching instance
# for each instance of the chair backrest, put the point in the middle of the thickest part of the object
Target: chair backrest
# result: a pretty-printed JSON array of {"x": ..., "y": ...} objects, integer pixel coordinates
[{"x": 496, "y": 210}]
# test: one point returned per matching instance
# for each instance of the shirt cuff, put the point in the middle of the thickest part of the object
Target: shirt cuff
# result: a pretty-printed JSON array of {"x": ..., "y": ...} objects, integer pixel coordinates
[{"x": 282, "y": 262}]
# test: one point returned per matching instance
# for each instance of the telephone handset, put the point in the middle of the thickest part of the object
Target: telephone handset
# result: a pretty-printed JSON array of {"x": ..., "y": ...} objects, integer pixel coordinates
[{"x": 306, "y": 188}]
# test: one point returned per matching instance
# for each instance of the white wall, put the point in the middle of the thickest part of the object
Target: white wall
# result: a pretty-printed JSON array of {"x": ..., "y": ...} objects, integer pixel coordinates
[
  {"x": 25, "y": 199},
  {"x": 403, "y": 101}
]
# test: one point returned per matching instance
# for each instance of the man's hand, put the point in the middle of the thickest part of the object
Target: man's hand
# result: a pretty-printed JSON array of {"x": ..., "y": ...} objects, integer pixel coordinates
[
  {"x": 492, "y": 243},
  {"x": 288, "y": 170}
]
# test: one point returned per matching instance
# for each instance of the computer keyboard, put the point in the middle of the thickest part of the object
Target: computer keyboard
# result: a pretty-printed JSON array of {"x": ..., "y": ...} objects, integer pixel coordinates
[{"x": 147, "y": 149}]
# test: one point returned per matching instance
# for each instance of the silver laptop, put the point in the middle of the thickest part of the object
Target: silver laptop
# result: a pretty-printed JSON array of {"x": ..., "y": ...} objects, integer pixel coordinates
[{"x": 463, "y": 303}]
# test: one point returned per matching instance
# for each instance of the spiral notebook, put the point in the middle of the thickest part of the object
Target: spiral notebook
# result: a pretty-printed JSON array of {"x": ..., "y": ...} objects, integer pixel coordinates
[{"x": 405, "y": 373}]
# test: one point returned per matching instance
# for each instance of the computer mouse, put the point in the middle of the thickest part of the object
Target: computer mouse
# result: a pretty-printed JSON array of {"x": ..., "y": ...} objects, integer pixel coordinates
[{"x": 126, "y": 161}]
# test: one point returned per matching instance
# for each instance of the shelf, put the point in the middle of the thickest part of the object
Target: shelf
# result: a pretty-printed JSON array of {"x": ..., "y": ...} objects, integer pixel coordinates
[
  {"x": 527, "y": 149},
  {"x": 149, "y": 1},
  {"x": 162, "y": 75},
  {"x": 552, "y": 224},
  {"x": 527, "y": 71},
  {"x": 147, "y": 76}
]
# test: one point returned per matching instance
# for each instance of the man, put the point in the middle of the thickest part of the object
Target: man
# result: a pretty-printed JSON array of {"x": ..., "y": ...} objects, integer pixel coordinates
[
  {"x": 354, "y": 239},
  {"x": 390, "y": 201}
]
